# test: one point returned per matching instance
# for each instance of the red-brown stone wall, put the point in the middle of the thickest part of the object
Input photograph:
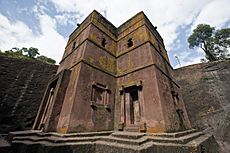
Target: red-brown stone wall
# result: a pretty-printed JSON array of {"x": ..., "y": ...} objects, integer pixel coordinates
[
  {"x": 131, "y": 23},
  {"x": 84, "y": 117},
  {"x": 99, "y": 57},
  {"x": 70, "y": 93},
  {"x": 169, "y": 108},
  {"x": 96, "y": 35},
  {"x": 79, "y": 39},
  {"x": 139, "y": 36},
  {"x": 159, "y": 61},
  {"x": 134, "y": 59},
  {"x": 157, "y": 44},
  {"x": 75, "y": 57},
  {"x": 170, "y": 117}
]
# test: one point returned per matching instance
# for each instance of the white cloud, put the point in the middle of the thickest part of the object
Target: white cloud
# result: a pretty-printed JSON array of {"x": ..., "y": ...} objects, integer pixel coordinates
[
  {"x": 17, "y": 34},
  {"x": 185, "y": 58},
  {"x": 216, "y": 13},
  {"x": 188, "y": 57},
  {"x": 189, "y": 62},
  {"x": 39, "y": 7},
  {"x": 68, "y": 18},
  {"x": 83, "y": 6},
  {"x": 13, "y": 33},
  {"x": 50, "y": 41},
  {"x": 167, "y": 15}
]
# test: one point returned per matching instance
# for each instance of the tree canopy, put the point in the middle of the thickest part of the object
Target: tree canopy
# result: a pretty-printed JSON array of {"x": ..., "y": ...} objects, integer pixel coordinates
[
  {"x": 46, "y": 59},
  {"x": 27, "y": 53},
  {"x": 31, "y": 52},
  {"x": 215, "y": 43}
]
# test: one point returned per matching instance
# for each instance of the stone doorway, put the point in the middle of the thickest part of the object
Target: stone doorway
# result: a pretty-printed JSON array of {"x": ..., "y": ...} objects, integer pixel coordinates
[
  {"x": 131, "y": 108},
  {"x": 134, "y": 107}
]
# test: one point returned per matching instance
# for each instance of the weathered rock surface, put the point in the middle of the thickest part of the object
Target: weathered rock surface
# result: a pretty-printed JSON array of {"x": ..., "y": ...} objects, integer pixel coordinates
[
  {"x": 22, "y": 84},
  {"x": 206, "y": 92}
]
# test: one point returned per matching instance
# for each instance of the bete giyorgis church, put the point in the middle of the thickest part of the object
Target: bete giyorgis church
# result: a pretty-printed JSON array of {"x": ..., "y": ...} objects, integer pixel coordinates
[{"x": 113, "y": 92}]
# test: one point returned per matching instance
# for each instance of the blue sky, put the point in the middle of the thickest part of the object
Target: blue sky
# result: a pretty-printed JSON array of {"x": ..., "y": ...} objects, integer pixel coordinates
[{"x": 46, "y": 24}]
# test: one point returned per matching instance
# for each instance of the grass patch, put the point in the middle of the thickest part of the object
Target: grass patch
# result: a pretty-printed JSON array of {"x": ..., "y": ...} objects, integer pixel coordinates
[{"x": 205, "y": 78}]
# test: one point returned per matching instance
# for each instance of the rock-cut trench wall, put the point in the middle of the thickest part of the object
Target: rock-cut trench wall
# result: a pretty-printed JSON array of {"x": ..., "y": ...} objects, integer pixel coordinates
[
  {"x": 22, "y": 85},
  {"x": 205, "y": 89}
]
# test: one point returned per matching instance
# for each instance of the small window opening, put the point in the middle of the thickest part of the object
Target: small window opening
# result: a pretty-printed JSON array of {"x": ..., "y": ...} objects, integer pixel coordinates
[
  {"x": 74, "y": 45},
  {"x": 130, "y": 42},
  {"x": 103, "y": 42}
]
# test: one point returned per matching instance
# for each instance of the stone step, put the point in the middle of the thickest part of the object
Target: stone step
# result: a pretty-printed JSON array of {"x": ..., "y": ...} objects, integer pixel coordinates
[
  {"x": 117, "y": 141},
  {"x": 119, "y": 147},
  {"x": 54, "y": 139},
  {"x": 130, "y": 138},
  {"x": 58, "y": 140},
  {"x": 174, "y": 134},
  {"x": 47, "y": 143},
  {"x": 83, "y": 134},
  {"x": 11, "y": 135},
  {"x": 53, "y": 134},
  {"x": 200, "y": 139},
  {"x": 181, "y": 140},
  {"x": 112, "y": 139},
  {"x": 132, "y": 129},
  {"x": 128, "y": 135},
  {"x": 140, "y": 138}
]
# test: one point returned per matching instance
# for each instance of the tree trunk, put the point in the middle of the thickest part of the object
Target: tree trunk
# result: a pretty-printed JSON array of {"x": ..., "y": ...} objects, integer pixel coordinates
[{"x": 210, "y": 56}]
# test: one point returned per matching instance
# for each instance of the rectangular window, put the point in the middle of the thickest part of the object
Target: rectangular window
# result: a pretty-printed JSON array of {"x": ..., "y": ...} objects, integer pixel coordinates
[{"x": 99, "y": 96}]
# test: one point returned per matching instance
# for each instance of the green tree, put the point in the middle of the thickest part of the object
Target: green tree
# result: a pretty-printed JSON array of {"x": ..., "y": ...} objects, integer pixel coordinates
[
  {"x": 14, "y": 52},
  {"x": 31, "y": 52},
  {"x": 214, "y": 43},
  {"x": 222, "y": 43},
  {"x": 46, "y": 59}
]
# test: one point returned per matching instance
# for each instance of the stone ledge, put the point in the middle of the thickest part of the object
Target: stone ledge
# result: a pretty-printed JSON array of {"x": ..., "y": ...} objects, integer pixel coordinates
[
  {"x": 113, "y": 142},
  {"x": 175, "y": 134}
]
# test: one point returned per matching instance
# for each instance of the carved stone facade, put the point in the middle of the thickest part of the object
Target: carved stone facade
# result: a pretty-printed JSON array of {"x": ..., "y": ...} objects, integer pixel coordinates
[{"x": 113, "y": 79}]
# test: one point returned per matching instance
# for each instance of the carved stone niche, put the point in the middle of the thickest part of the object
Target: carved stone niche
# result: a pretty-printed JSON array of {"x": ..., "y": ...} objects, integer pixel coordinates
[{"x": 100, "y": 96}]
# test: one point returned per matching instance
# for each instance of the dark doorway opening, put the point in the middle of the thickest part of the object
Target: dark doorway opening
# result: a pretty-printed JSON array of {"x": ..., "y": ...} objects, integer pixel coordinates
[{"x": 134, "y": 106}]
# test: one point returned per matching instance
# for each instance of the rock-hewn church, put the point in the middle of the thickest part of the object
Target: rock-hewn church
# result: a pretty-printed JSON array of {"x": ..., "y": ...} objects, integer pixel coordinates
[{"x": 114, "y": 87}]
